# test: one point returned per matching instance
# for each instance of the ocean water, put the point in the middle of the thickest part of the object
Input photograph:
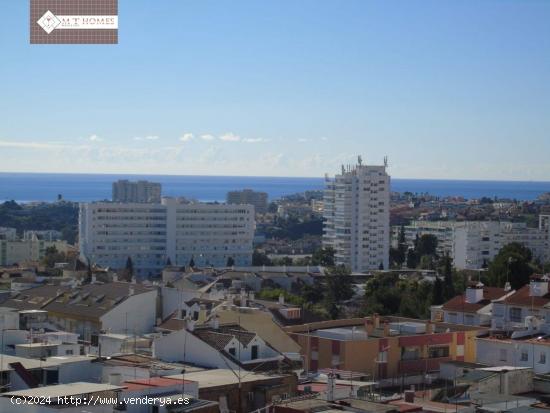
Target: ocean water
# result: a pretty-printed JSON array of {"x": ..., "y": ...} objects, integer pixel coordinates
[{"x": 28, "y": 187}]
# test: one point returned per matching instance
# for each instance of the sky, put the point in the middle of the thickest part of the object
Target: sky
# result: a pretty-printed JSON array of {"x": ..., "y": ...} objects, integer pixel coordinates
[{"x": 447, "y": 89}]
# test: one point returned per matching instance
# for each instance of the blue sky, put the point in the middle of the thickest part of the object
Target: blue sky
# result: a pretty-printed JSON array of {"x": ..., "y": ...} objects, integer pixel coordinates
[{"x": 445, "y": 89}]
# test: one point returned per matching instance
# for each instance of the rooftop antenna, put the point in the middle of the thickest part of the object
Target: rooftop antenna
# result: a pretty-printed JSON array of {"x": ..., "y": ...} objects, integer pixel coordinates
[
  {"x": 386, "y": 161},
  {"x": 343, "y": 169},
  {"x": 359, "y": 160}
]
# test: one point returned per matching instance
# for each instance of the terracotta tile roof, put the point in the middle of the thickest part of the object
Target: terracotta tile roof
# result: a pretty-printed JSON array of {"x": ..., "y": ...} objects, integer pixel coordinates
[
  {"x": 459, "y": 303},
  {"x": 522, "y": 297},
  {"x": 173, "y": 324}
]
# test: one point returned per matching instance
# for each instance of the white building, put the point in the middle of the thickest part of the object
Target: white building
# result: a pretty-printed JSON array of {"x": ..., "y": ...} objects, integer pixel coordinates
[
  {"x": 151, "y": 233},
  {"x": 473, "y": 244},
  {"x": 357, "y": 217},
  {"x": 140, "y": 191},
  {"x": 250, "y": 197},
  {"x": 19, "y": 251}
]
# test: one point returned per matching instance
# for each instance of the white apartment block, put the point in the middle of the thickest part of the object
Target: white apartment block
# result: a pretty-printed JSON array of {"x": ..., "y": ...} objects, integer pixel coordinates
[
  {"x": 357, "y": 217},
  {"x": 109, "y": 233},
  {"x": 140, "y": 191},
  {"x": 473, "y": 244},
  {"x": 248, "y": 196},
  {"x": 19, "y": 251}
]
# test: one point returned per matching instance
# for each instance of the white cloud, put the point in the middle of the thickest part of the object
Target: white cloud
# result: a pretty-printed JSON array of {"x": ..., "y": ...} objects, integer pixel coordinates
[
  {"x": 186, "y": 137},
  {"x": 95, "y": 138},
  {"x": 324, "y": 138},
  {"x": 147, "y": 138},
  {"x": 303, "y": 140},
  {"x": 255, "y": 140},
  {"x": 230, "y": 137},
  {"x": 208, "y": 137}
]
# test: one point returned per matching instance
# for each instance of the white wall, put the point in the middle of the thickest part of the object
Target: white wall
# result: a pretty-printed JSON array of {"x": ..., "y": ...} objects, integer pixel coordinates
[
  {"x": 171, "y": 347},
  {"x": 135, "y": 315}
]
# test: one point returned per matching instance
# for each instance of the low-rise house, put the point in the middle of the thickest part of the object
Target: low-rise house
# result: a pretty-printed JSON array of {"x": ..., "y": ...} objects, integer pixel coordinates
[
  {"x": 529, "y": 304},
  {"x": 92, "y": 308},
  {"x": 384, "y": 347},
  {"x": 473, "y": 308},
  {"x": 216, "y": 346},
  {"x": 242, "y": 391}
]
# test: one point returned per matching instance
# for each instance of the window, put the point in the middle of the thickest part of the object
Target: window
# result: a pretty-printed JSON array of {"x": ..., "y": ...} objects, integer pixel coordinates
[
  {"x": 410, "y": 353},
  {"x": 524, "y": 356},
  {"x": 515, "y": 315},
  {"x": 542, "y": 358},
  {"x": 503, "y": 356},
  {"x": 436, "y": 352},
  {"x": 232, "y": 351},
  {"x": 69, "y": 352},
  {"x": 254, "y": 351},
  {"x": 469, "y": 321}
]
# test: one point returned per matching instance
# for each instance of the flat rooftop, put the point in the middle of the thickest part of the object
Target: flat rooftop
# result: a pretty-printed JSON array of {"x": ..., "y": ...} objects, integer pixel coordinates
[
  {"x": 62, "y": 390},
  {"x": 222, "y": 377}
]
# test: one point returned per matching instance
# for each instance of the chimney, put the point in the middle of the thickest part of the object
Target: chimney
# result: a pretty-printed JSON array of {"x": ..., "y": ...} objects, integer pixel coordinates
[
  {"x": 474, "y": 293},
  {"x": 243, "y": 298},
  {"x": 115, "y": 278},
  {"x": 281, "y": 299},
  {"x": 376, "y": 320},
  {"x": 386, "y": 329},
  {"x": 189, "y": 324},
  {"x": 251, "y": 295},
  {"x": 429, "y": 327},
  {"x": 507, "y": 287},
  {"x": 131, "y": 290},
  {"x": 203, "y": 314},
  {"x": 369, "y": 326},
  {"x": 538, "y": 286},
  {"x": 133, "y": 280},
  {"x": 215, "y": 322}
]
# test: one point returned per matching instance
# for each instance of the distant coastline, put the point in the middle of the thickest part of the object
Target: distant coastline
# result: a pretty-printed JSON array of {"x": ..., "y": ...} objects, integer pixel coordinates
[{"x": 33, "y": 187}]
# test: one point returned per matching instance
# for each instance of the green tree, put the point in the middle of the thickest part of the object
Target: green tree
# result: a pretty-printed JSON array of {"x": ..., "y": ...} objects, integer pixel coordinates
[
  {"x": 447, "y": 272},
  {"x": 513, "y": 262},
  {"x": 52, "y": 256},
  {"x": 260, "y": 258},
  {"x": 192, "y": 262},
  {"x": 323, "y": 257},
  {"x": 412, "y": 259},
  {"x": 437, "y": 292},
  {"x": 427, "y": 245},
  {"x": 129, "y": 267}
]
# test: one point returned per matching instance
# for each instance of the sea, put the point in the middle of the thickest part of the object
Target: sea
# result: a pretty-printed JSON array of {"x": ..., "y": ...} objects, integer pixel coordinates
[{"x": 45, "y": 187}]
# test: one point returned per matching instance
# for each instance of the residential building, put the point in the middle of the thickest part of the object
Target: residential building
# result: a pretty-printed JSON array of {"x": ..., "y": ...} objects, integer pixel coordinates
[
  {"x": 473, "y": 244},
  {"x": 7, "y": 233},
  {"x": 150, "y": 234},
  {"x": 249, "y": 197},
  {"x": 46, "y": 235},
  {"x": 241, "y": 390},
  {"x": 473, "y": 308},
  {"x": 139, "y": 192},
  {"x": 92, "y": 308},
  {"x": 528, "y": 306},
  {"x": 357, "y": 216},
  {"x": 215, "y": 346},
  {"x": 383, "y": 347},
  {"x": 19, "y": 251}
]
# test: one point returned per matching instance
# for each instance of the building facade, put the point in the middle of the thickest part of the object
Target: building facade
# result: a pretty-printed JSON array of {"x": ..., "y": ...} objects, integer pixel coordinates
[
  {"x": 357, "y": 216},
  {"x": 140, "y": 191},
  {"x": 151, "y": 234},
  {"x": 18, "y": 251},
  {"x": 383, "y": 347},
  {"x": 473, "y": 244},
  {"x": 250, "y": 197}
]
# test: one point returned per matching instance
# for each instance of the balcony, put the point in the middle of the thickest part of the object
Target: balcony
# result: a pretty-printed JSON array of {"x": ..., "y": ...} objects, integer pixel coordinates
[{"x": 420, "y": 366}]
